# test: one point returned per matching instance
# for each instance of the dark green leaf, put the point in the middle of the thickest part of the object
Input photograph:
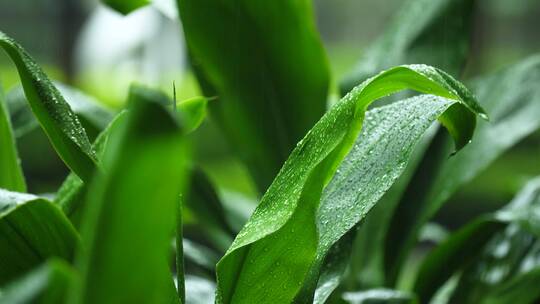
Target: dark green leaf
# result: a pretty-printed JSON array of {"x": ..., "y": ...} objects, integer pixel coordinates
[
  {"x": 47, "y": 284},
  {"x": 279, "y": 245},
  {"x": 206, "y": 207},
  {"x": 512, "y": 97},
  {"x": 11, "y": 176},
  {"x": 32, "y": 229},
  {"x": 265, "y": 63},
  {"x": 434, "y": 32},
  {"x": 467, "y": 244},
  {"x": 130, "y": 214},
  {"x": 53, "y": 112}
]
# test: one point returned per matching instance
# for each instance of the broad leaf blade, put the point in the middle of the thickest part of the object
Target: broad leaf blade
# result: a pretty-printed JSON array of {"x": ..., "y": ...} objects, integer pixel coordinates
[
  {"x": 514, "y": 114},
  {"x": 11, "y": 176},
  {"x": 32, "y": 229},
  {"x": 265, "y": 63},
  {"x": 130, "y": 214},
  {"x": 278, "y": 245},
  {"x": 434, "y": 32},
  {"x": 52, "y": 111}
]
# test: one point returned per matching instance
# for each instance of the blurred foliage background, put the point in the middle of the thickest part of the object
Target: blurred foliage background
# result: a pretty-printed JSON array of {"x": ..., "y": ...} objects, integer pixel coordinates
[{"x": 86, "y": 45}]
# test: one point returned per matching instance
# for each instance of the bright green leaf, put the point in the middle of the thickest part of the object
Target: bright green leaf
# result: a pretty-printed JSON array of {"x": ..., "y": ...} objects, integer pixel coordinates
[
  {"x": 32, "y": 229},
  {"x": 130, "y": 215},
  {"x": 53, "y": 113},
  {"x": 277, "y": 248}
]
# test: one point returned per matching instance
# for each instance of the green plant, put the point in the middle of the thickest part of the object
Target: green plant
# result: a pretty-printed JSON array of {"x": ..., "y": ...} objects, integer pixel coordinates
[{"x": 336, "y": 224}]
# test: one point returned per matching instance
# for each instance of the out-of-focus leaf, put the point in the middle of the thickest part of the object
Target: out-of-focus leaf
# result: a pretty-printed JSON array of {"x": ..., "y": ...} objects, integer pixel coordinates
[
  {"x": 53, "y": 113},
  {"x": 279, "y": 247},
  {"x": 434, "y": 32},
  {"x": 467, "y": 244},
  {"x": 130, "y": 214},
  {"x": 512, "y": 97},
  {"x": 47, "y": 284},
  {"x": 206, "y": 207},
  {"x": 265, "y": 63},
  {"x": 11, "y": 176},
  {"x": 192, "y": 112},
  {"x": 379, "y": 296},
  {"x": 126, "y": 6},
  {"x": 510, "y": 257},
  {"x": 521, "y": 289},
  {"x": 32, "y": 229},
  {"x": 70, "y": 196}
]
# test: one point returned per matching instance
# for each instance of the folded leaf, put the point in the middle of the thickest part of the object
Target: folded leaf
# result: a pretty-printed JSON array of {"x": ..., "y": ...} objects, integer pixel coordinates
[
  {"x": 275, "y": 251},
  {"x": 53, "y": 113},
  {"x": 512, "y": 97},
  {"x": 265, "y": 63},
  {"x": 47, "y": 284},
  {"x": 434, "y": 32},
  {"x": 11, "y": 176},
  {"x": 32, "y": 230},
  {"x": 130, "y": 215}
]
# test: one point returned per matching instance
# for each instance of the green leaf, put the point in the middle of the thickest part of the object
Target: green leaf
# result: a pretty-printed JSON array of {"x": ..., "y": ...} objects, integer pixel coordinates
[
  {"x": 130, "y": 214},
  {"x": 32, "y": 229},
  {"x": 203, "y": 203},
  {"x": 265, "y": 63},
  {"x": 512, "y": 97},
  {"x": 378, "y": 158},
  {"x": 521, "y": 289},
  {"x": 47, "y": 284},
  {"x": 71, "y": 195},
  {"x": 53, "y": 112},
  {"x": 92, "y": 116},
  {"x": 432, "y": 32},
  {"x": 192, "y": 112},
  {"x": 11, "y": 175},
  {"x": 278, "y": 246},
  {"x": 126, "y": 6},
  {"x": 466, "y": 245},
  {"x": 379, "y": 296}
]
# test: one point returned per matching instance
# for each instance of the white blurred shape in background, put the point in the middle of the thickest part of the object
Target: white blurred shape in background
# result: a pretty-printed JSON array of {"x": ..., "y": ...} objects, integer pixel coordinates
[{"x": 113, "y": 50}]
